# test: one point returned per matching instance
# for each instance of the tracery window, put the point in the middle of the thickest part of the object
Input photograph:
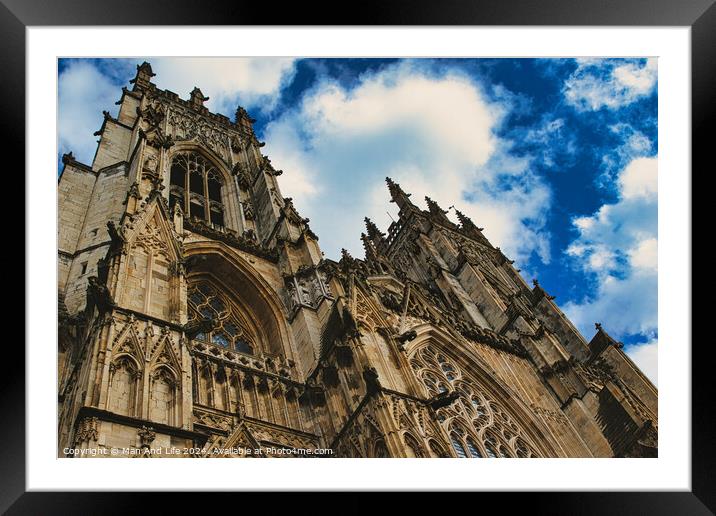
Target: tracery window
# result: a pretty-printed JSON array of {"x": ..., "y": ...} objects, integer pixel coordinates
[
  {"x": 229, "y": 331},
  {"x": 478, "y": 425},
  {"x": 196, "y": 185}
]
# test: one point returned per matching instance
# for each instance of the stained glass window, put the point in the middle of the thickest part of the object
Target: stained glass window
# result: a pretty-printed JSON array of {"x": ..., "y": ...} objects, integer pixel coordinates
[{"x": 206, "y": 303}]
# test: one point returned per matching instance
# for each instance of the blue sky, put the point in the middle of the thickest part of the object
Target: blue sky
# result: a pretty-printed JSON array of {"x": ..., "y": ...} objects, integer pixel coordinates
[{"x": 555, "y": 158}]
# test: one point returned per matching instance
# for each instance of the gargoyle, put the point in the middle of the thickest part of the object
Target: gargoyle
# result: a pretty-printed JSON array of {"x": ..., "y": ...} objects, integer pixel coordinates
[
  {"x": 443, "y": 399},
  {"x": 370, "y": 376},
  {"x": 407, "y": 336},
  {"x": 114, "y": 234},
  {"x": 98, "y": 296},
  {"x": 194, "y": 328}
]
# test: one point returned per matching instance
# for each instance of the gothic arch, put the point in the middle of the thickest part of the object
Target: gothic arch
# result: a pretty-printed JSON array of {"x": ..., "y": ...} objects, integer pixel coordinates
[
  {"x": 128, "y": 343},
  {"x": 412, "y": 446},
  {"x": 247, "y": 286},
  {"x": 126, "y": 357},
  {"x": 125, "y": 376},
  {"x": 489, "y": 418},
  {"x": 164, "y": 395},
  {"x": 229, "y": 191},
  {"x": 206, "y": 152}
]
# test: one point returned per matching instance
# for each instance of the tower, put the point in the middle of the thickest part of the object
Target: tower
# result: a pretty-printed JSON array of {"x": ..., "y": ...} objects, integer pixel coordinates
[{"x": 198, "y": 313}]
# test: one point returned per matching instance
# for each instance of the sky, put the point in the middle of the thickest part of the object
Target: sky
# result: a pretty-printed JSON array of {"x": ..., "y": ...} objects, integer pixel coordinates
[{"x": 555, "y": 158}]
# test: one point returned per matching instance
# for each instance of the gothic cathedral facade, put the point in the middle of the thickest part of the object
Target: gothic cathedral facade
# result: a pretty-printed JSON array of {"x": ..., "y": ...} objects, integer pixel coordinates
[{"x": 197, "y": 313}]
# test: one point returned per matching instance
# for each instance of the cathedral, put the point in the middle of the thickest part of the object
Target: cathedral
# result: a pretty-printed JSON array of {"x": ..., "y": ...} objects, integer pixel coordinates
[{"x": 197, "y": 317}]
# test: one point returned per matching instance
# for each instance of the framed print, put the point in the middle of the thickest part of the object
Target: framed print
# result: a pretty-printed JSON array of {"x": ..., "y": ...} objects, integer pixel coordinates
[{"x": 466, "y": 237}]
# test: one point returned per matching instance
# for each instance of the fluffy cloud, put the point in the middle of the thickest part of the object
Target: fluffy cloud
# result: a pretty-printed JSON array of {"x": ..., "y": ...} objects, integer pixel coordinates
[
  {"x": 611, "y": 84},
  {"x": 253, "y": 82},
  {"x": 84, "y": 92},
  {"x": 638, "y": 181},
  {"x": 434, "y": 134},
  {"x": 88, "y": 87},
  {"x": 618, "y": 246},
  {"x": 634, "y": 144},
  {"x": 645, "y": 356}
]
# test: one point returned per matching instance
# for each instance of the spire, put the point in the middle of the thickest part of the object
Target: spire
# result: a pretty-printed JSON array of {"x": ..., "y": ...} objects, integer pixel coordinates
[
  {"x": 347, "y": 261},
  {"x": 466, "y": 222},
  {"x": 197, "y": 98},
  {"x": 368, "y": 246},
  {"x": 434, "y": 207},
  {"x": 470, "y": 229},
  {"x": 345, "y": 255},
  {"x": 143, "y": 78},
  {"x": 397, "y": 194},
  {"x": 373, "y": 232},
  {"x": 372, "y": 242},
  {"x": 436, "y": 211}
]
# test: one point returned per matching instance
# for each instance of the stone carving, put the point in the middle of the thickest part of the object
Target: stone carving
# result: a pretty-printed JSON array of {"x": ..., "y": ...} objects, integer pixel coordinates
[
  {"x": 87, "y": 430},
  {"x": 552, "y": 415},
  {"x": 187, "y": 125},
  {"x": 146, "y": 436},
  {"x": 212, "y": 420},
  {"x": 306, "y": 288},
  {"x": 266, "y": 434}
]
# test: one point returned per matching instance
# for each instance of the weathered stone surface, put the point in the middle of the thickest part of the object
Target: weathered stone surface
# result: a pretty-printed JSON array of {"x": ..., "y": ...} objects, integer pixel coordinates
[{"x": 198, "y": 318}]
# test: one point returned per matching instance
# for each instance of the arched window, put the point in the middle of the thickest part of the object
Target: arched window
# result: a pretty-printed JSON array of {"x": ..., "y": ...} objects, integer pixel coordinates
[
  {"x": 436, "y": 450},
  {"x": 477, "y": 424},
  {"x": 474, "y": 450},
  {"x": 458, "y": 446},
  {"x": 228, "y": 329},
  {"x": 196, "y": 185},
  {"x": 412, "y": 448},
  {"x": 491, "y": 447}
]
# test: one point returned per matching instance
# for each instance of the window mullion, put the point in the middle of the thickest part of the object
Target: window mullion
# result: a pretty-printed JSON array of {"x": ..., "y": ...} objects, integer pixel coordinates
[{"x": 207, "y": 208}]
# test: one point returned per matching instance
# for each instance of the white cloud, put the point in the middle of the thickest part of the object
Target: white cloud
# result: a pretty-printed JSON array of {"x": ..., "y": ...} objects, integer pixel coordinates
[
  {"x": 253, "y": 81},
  {"x": 634, "y": 144},
  {"x": 644, "y": 256},
  {"x": 626, "y": 306},
  {"x": 645, "y": 356},
  {"x": 86, "y": 88},
  {"x": 618, "y": 245},
  {"x": 433, "y": 135},
  {"x": 84, "y": 93},
  {"x": 639, "y": 179},
  {"x": 597, "y": 84}
]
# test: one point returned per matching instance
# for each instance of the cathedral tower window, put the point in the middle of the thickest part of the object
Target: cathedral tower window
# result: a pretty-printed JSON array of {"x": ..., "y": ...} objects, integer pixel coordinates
[
  {"x": 196, "y": 185},
  {"x": 228, "y": 329}
]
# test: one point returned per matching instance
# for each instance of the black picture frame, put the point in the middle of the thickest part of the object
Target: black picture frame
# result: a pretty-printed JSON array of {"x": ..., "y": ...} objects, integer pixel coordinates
[{"x": 700, "y": 15}]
